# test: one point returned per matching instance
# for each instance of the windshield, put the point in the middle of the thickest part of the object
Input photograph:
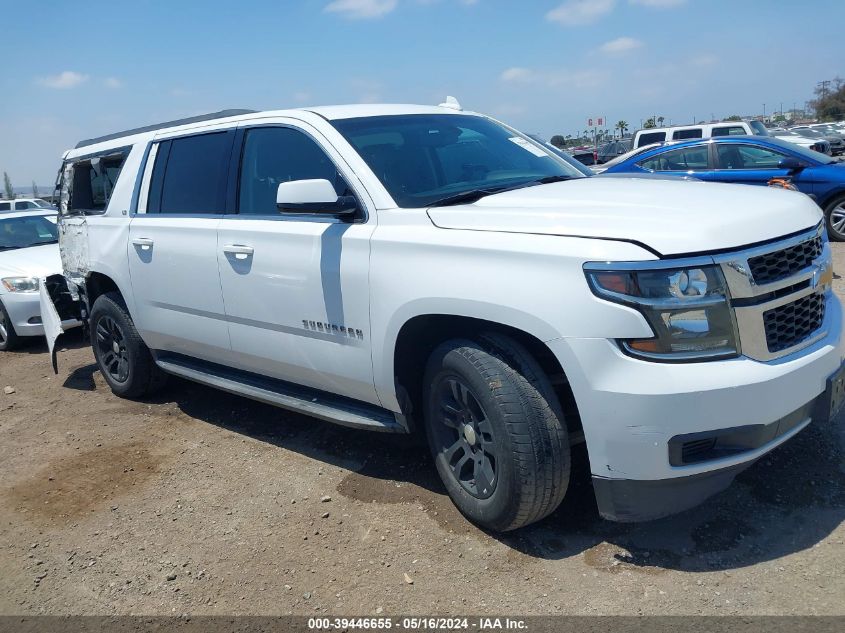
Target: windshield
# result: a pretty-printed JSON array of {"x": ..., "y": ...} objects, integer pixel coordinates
[
  {"x": 31, "y": 230},
  {"x": 632, "y": 153},
  {"x": 42, "y": 204},
  {"x": 425, "y": 158}
]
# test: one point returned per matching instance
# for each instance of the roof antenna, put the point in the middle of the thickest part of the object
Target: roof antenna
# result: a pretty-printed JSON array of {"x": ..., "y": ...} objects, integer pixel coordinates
[{"x": 451, "y": 103}]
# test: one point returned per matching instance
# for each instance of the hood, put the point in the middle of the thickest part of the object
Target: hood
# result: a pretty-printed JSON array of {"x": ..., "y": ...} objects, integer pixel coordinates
[
  {"x": 35, "y": 261},
  {"x": 670, "y": 217}
]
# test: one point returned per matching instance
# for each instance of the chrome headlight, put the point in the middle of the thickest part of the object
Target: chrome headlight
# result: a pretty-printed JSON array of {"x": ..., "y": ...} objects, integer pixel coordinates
[
  {"x": 20, "y": 284},
  {"x": 687, "y": 308}
]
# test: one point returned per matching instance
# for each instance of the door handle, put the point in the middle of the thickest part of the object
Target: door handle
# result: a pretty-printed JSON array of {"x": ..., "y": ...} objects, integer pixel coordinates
[
  {"x": 144, "y": 242},
  {"x": 239, "y": 250}
]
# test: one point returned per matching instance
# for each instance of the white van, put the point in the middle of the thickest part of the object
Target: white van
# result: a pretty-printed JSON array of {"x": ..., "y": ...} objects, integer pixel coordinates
[{"x": 685, "y": 132}]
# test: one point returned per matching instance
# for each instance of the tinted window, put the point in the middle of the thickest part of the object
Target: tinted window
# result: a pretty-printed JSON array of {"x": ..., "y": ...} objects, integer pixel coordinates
[
  {"x": 735, "y": 156},
  {"x": 22, "y": 206},
  {"x": 731, "y": 130},
  {"x": 273, "y": 155},
  {"x": 190, "y": 174},
  {"x": 5, "y": 206},
  {"x": 651, "y": 137},
  {"x": 685, "y": 159},
  {"x": 682, "y": 134},
  {"x": 421, "y": 159},
  {"x": 93, "y": 181},
  {"x": 27, "y": 231},
  {"x": 759, "y": 128}
]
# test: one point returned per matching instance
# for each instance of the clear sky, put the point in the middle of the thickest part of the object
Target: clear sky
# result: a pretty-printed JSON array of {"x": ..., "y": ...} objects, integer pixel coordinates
[{"x": 78, "y": 69}]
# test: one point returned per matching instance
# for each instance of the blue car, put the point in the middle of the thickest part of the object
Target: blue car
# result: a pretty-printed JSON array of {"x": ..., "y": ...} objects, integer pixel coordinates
[{"x": 750, "y": 160}]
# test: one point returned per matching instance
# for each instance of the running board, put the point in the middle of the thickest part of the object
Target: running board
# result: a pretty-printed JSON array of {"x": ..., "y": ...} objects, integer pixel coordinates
[{"x": 318, "y": 404}]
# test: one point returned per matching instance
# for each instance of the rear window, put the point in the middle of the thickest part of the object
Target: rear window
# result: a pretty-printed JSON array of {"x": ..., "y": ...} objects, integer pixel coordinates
[
  {"x": 651, "y": 137},
  {"x": 729, "y": 130},
  {"x": 92, "y": 181},
  {"x": 691, "y": 133},
  {"x": 683, "y": 159},
  {"x": 190, "y": 174},
  {"x": 5, "y": 206}
]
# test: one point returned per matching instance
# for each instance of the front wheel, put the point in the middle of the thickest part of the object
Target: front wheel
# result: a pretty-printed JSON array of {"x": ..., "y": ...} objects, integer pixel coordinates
[
  {"x": 496, "y": 431},
  {"x": 835, "y": 215},
  {"x": 122, "y": 356}
]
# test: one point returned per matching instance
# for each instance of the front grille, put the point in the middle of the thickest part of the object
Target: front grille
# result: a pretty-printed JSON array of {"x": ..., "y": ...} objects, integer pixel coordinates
[
  {"x": 792, "y": 323},
  {"x": 781, "y": 264}
]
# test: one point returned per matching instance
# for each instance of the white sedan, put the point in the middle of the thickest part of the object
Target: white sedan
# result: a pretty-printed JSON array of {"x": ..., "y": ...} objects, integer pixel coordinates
[{"x": 29, "y": 251}]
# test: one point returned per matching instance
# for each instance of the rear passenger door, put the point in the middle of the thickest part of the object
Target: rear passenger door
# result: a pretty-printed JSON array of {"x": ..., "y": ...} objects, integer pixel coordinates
[
  {"x": 173, "y": 245},
  {"x": 296, "y": 287}
]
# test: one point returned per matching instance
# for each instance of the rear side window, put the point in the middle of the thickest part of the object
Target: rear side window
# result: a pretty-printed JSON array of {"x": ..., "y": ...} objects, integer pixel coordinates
[
  {"x": 190, "y": 174},
  {"x": 691, "y": 133},
  {"x": 685, "y": 159},
  {"x": 5, "y": 206},
  {"x": 651, "y": 137},
  {"x": 92, "y": 182},
  {"x": 729, "y": 130}
]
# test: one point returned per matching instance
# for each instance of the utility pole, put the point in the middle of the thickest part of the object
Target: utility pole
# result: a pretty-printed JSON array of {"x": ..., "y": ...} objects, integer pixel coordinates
[
  {"x": 764, "y": 110},
  {"x": 823, "y": 85}
]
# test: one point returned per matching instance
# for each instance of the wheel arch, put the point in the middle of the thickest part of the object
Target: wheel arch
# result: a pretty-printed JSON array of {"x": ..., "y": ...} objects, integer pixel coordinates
[{"x": 418, "y": 336}]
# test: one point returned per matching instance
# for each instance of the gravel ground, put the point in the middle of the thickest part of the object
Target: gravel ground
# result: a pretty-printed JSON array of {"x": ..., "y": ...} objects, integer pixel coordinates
[{"x": 205, "y": 503}]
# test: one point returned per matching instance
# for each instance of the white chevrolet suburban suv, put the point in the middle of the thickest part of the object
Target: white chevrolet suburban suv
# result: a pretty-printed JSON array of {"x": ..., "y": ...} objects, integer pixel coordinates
[{"x": 397, "y": 267}]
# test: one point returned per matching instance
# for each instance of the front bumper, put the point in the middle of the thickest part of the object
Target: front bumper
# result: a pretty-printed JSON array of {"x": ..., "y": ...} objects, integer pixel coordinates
[
  {"x": 631, "y": 411},
  {"x": 24, "y": 309}
]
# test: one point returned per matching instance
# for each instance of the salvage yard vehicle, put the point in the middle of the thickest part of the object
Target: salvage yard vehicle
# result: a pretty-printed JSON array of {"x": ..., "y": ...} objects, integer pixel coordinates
[
  {"x": 28, "y": 251},
  {"x": 399, "y": 267}
]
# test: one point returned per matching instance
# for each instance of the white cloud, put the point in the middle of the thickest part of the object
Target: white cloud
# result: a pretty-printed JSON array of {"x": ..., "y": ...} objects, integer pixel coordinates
[
  {"x": 361, "y": 9},
  {"x": 302, "y": 96},
  {"x": 64, "y": 80},
  {"x": 578, "y": 12},
  {"x": 113, "y": 82},
  {"x": 620, "y": 45},
  {"x": 659, "y": 4},
  {"x": 584, "y": 78}
]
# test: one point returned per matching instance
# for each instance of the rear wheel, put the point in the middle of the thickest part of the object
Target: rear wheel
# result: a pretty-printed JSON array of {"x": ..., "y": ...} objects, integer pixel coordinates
[
  {"x": 835, "y": 214},
  {"x": 122, "y": 356},
  {"x": 9, "y": 339},
  {"x": 496, "y": 431}
]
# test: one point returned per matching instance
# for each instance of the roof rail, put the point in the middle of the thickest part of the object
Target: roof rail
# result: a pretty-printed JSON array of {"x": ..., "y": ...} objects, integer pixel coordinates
[{"x": 222, "y": 114}]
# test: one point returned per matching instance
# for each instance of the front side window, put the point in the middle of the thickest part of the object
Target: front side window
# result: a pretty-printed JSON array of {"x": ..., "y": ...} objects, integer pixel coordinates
[
  {"x": 735, "y": 156},
  {"x": 190, "y": 174},
  {"x": 730, "y": 130},
  {"x": 685, "y": 159},
  {"x": 273, "y": 155},
  {"x": 422, "y": 159},
  {"x": 34, "y": 230},
  {"x": 92, "y": 182},
  {"x": 24, "y": 205}
]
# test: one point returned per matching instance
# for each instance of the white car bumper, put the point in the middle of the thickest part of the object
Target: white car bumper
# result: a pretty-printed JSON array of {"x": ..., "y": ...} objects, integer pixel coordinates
[{"x": 649, "y": 426}]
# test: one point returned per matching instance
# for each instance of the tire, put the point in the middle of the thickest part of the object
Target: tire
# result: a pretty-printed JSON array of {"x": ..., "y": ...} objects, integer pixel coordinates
[
  {"x": 122, "y": 356},
  {"x": 511, "y": 468},
  {"x": 834, "y": 214},
  {"x": 9, "y": 339}
]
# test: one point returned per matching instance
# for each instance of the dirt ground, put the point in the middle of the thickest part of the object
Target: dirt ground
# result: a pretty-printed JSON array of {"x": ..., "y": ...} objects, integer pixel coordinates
[{"x": 204, "y": 503}]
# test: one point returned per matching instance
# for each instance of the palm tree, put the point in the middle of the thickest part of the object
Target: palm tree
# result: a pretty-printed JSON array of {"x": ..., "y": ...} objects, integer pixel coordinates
[
  {"x": 660, "y": 120},
  {"x": 622, "y": 126}
]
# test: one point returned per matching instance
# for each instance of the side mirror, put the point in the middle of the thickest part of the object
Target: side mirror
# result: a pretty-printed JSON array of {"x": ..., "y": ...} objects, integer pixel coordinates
[
  {"x": 792, "y": 164},
  {"x": 313, "y": 196}
]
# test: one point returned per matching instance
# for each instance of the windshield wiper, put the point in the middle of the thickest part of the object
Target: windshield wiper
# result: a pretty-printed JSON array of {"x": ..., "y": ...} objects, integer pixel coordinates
[
  {"x": 477, "y": 194},
  {"x": 466, "y": 196}
]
